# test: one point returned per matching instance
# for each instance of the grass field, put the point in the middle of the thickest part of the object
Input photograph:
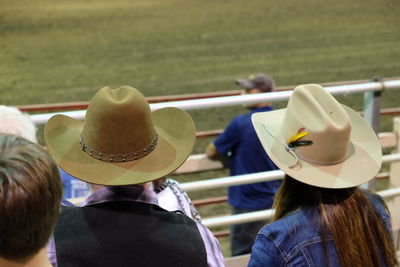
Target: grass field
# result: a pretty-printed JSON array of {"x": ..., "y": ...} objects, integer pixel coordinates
[{"x": 56, "y": 51}]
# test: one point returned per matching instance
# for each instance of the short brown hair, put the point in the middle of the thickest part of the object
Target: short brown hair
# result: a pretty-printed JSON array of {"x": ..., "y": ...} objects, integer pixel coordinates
[{"x": 30, "y": 194}]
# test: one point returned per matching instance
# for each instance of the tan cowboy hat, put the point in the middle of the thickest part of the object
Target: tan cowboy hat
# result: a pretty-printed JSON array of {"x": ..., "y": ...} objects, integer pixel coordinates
[
  {"x": 121, "y": 142},
  {"x": 318, "y": 141}
]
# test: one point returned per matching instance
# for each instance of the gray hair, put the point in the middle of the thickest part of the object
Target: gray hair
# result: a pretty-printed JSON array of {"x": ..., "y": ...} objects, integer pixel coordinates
[{"x": 13, "y": 121}]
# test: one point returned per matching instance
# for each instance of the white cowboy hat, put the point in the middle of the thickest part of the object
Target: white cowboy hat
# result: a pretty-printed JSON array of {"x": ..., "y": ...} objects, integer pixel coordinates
[{"x": 318, "y": 141}]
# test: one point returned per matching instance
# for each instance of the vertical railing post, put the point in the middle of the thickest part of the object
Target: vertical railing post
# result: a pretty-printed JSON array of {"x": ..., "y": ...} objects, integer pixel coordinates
[
  {"x": 394, "y": 182},
  {"x": 372, "y": 106}
]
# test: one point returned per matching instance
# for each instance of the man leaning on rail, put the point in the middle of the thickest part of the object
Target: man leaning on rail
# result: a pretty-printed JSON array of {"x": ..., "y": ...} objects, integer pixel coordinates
[
  {"x": 119, "y": 147},
  {"x": 239, "y": 142}
]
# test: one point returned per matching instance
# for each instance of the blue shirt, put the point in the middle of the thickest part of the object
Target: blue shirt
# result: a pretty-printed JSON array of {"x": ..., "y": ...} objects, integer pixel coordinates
[
  {"x": 240, "y": 143},
  {"x": 73, "y": 187},
  {"x": 295, "y": 240}
]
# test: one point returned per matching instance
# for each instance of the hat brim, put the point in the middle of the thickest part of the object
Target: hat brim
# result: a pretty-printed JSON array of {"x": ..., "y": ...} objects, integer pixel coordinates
[
  {"x": 174, "y": 127},
  {"x": 245, "y": 83},
  {"x": 363, "y": 161}
]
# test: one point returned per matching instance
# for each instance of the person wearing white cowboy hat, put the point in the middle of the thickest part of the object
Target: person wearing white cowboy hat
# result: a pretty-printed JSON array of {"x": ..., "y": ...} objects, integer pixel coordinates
[
  {"x": 120, "y": 146},
  {"x": 321, "y": 217}
]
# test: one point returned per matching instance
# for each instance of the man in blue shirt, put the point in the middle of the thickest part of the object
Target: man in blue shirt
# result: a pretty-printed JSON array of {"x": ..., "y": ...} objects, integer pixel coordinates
[{"x": 239, "y": 142}]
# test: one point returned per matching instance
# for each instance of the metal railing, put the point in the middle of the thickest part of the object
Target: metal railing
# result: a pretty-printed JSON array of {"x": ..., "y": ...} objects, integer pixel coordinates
[
  {"x": 241, "y": 99},
  {"x": 264, "y": 214},
  {"x": 252, "y": 178},
  {"x": 42, "y": 108},
  {"x": 255, "y": 178}
]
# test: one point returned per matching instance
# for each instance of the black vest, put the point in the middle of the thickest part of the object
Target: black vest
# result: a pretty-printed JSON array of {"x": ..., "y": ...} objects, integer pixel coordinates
[{"x": 127, "y": 233}]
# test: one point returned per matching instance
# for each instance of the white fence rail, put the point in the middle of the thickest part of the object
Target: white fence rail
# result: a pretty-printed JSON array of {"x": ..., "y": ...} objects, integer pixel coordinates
[
  {"x": 251, "y": 178},
  {"x": 260, "y": 177},
  {"x": 242, "y": 99}
]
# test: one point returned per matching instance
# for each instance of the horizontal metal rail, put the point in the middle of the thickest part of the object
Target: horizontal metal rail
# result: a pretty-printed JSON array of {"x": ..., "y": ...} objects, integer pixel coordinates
[
  {"x": 389, "y": 192},
  {"x": 222, "y": 233},
  {"x": 241, "y": 99},
  {"x": 209, "y": 201},
  {"x": 252, "y": 178},
  {"x": 389, "y": 111},
  {"x": 390, "y": 158},
  {"x": 210, "y": 133},
  {"x": 239, "y": 218},
  {"x": 274, "y": 96},
  {"x": 216, "y": 132},
  {"x": 151, "y": 99},
  {"x": 233, "y": 180},
  {"x": 223, "y": 199},
  {"x": 245, "y": 179},
  {"x": 268, "y": 214},
  {"x": 168, "y": 98}
]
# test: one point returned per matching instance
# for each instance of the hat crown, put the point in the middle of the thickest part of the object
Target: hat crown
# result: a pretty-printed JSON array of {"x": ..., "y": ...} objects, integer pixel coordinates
[
  {"x": 263, "y": 82},
  {"x": 118, "y": 121},
  {"x": 323, "y": 118}
]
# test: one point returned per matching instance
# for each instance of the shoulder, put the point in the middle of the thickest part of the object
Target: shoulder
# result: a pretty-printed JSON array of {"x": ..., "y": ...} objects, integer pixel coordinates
[
  {"x": 289, "y": 235},
  {"x": 380, "y": 206},
  {"x": 215, "y": 257},
  {"x": 376, "y": 199},
  {"x": 290, "y": 223},
  {"x": 378, "y": 202},
  {"x": 261, "y": 109},
  {"x": 241, "y": 118}
]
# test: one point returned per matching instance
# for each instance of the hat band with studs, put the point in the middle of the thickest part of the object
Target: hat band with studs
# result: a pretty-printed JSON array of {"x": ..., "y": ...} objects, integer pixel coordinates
[{"x": 118, "y": 157}]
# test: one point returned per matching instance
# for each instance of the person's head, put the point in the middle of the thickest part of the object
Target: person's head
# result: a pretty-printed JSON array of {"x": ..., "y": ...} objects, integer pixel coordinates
[
  {"x": 256, "y": 84},
  {"x": 30, "y": 194},
  {"x": 13, "y": 121},
  {"x": 326, "y": 150},
  {"x": 318, "y": 141},
  {"x": 121, "y": 142},
  {"x": 260, "y": 83}
]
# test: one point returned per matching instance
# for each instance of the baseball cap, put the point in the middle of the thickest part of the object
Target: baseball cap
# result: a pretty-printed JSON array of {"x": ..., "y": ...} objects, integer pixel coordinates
[{"x": 260, "y": 80}]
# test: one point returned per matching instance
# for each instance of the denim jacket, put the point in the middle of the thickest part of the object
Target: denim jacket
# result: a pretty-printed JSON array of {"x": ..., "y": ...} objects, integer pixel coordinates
[{"x": 295, "y": 240}]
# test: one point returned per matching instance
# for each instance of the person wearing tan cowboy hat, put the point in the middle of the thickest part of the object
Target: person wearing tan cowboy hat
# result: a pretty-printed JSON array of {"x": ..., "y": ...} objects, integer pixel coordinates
[
  {"x": 120, "y": 146},
  {"x": 239, "y": 143},
  {"x": 322, "y": 217}
]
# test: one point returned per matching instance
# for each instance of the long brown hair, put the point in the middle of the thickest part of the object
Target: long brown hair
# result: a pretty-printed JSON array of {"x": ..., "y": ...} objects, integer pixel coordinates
[{"x": 348, "y": 216}]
